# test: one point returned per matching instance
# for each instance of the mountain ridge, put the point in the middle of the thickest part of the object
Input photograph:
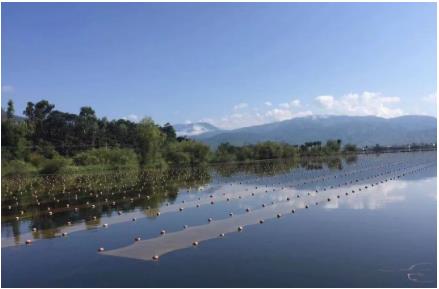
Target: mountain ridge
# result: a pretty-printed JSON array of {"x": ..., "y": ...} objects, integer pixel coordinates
[{"x": 359, "y": 130}]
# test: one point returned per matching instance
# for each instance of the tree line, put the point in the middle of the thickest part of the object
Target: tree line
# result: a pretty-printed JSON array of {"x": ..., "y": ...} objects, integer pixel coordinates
[{"x": 47, "y": 140}]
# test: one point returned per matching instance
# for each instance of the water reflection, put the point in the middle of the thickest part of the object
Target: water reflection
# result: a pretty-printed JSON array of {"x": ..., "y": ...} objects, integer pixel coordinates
[
  {"x": 46, "y": 203},
  {"x": 283, "y": 202},
  {"x": 373, "y": 200},
  {"x": 45, "y": 207}
]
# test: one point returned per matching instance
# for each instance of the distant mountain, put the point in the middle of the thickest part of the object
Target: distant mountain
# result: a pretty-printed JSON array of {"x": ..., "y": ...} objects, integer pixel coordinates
[
  {"x": 359, "y": 130},
  {"x": 193, "y": 129}
]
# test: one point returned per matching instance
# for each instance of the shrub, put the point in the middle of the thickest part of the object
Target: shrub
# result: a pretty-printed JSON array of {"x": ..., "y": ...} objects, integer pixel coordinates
[
  {"x": 178, "y": 158},
  {"x": 16, "y": 167},
  {"x": 47, "y": 150},
  {"x": 53, "y": 166},
  {"x": 188, "y": 153},
  {"x": 36, "y": 159},
  {"x": 350, "y": 148},
  {"x": 114, "y": 157}
]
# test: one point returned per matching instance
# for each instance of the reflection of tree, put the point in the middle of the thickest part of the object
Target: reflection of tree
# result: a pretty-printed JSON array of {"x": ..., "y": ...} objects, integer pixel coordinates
[
  {"x": 311, "y": 163},
  {"x": 335, "y": 164},
  {"x": 92, "y": 223},
  {"x": 82, "y": 197},
  {"x": 350, "y": 159},
  {"x": 317, "y": 163},
  {"x": 74, "y": 198},
  {"x": 259, "y": 168},
  {"x": 151, "y": 213},
  {"x": 273, "y": 167},
  {"x": 16, "y": 231}
]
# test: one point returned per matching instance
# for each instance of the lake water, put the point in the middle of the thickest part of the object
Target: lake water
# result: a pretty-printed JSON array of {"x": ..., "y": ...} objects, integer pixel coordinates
[{"x": 366, "y": 221}]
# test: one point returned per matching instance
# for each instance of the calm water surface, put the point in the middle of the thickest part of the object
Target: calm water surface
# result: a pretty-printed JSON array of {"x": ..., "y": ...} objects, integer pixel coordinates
[{"x": 368, "y": 221}]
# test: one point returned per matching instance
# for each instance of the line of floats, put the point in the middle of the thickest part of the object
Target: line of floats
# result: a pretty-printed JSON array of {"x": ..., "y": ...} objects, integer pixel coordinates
[
  {"x": 158, "y": 246},
  {"x": 367, "y": 174}
]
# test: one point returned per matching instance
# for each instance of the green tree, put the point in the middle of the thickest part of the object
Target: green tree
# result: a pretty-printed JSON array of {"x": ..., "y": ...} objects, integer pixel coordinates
[
  {"x": 60, "y": 132},
  {"x": 14, "y": 143},
  {"x": 10, "y": 110},
  {"x": 225, "y": 153},
  {"x": 149, "y": 143},
  {"x": 333, "y": 146},
  {"x": 36, "y": 114},
  {"x": 169, "y": 131},
  {"x": 87, "y": 126}
]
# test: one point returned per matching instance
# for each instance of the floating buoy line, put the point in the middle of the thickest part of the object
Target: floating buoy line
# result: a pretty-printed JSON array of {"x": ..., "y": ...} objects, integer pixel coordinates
[
  {"x": 133, "y": 251},
  {"x": 389, "y": 170},
  {"x": 98, "y": 195}
]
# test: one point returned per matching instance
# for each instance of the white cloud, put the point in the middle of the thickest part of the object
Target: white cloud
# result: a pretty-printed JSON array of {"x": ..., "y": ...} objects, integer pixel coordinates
[
  {"x": 303, "y": 113},
  {"x": 244, "y": 115},
  {"x": 431, "y": 98},
  {"x": 291, "y": 104},
  {"x": 236, "y": 120},
  {"x": 366, "y": 103},
  {"x": 427, "y": 105},
  {"x": 279, "y": 114},
  {"x": 206, "y": 119},
  {"x": 241, "y": 105},
  {"x": 7, "y": 89},
  {"x": 327, "y": 101},
  {"x": 191, "y": 130},
  {"x": 132, "y": 117},
  {"x": 295, "y": 103}
]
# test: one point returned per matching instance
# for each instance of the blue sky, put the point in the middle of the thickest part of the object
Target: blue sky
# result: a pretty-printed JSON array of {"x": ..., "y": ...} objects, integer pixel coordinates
[{"x": 230, "y": 64}]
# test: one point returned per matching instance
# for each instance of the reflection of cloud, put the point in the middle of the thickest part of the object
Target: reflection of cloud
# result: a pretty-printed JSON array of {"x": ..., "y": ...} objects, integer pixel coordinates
[
  {"x": 376, "y": 197},
  {"x": 331, "y": 205}
]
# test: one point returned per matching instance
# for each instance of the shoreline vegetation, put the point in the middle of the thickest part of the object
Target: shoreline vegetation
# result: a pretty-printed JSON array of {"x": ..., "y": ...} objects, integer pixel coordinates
[{"x": 47, "y": 141}]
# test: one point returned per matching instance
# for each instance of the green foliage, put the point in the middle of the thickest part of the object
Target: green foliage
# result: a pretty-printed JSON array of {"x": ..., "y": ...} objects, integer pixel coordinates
[
  {"x": 178, "y": 158},
  {"x": 87, "y": 126},
  {"x": 267, "y": 150},
  {"x": 350, "y": 148},
  {"x": 49, "y": 139},
  {"x": 10, "y": 110},
  {"x": 47, "y": 150},
  {"x": 187, "y": 153},
  {"x": 36, "y": 116},
  {"x": 16, "y": 167},
  {"x": 150, "y": 141},
  {"x": 169, "y": 131},
  {"x": 14, "y": 142},
  {"x": 317, "y": 149},
  {"x": 53, "y": 166},
  {"x": 48, "y": 134},
  {"x": 261, "y": 151},
  {"x": 36, "y": 159},
  {"x": 226, "y": 153},
  {"x": 333, "y": 146},
  {"x": 114, "y": 158}
]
